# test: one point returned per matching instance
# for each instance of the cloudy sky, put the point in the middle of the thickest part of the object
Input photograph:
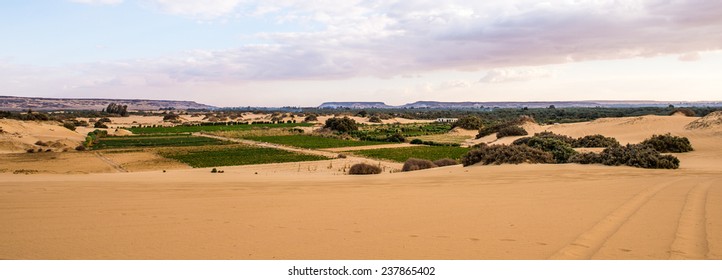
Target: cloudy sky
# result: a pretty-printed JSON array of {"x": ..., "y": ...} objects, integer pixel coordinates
[{"x": 302, "y": 53}]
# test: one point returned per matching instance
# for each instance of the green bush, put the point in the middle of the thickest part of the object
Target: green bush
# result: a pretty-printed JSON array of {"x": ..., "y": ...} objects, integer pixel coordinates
[
  {"x": 586, "y": 158},
  {"x": 595, "y": 141},
  {"x": 416, "y": 141},
  {"x": 310, "y": 118},
  {"x": 100, "y": 124},
  {"x": 511, "y": 131},
  {"x": 499, "y": 154},
  {"x": 639, "y": 155},
  {"x": 468, "y": 122},
  {"x": 396, "y": 137},
  {"x": 445, "y": 162},
  {"x": 417, "y": 164},
  {"x": 375, "y": 119},
  {"x": 344, "y": 124},
  {"x": 669, "y": 144},
  {"x": 521, "y": 141},
  {"x": 364, "y": 169},
  {"x": 561, "y": 150},
  {"x": 69, "y": 125}
]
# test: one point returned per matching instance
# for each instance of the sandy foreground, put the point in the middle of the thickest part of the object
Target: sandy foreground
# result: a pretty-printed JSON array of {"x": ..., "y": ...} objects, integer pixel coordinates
[{"x": 480, "y": 212}]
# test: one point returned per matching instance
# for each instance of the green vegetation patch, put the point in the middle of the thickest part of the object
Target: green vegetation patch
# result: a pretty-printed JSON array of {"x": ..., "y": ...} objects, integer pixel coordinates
[
  {"x": 211, "y": 128},
  {"x": 311, "y": 142},
  {"x": 155, "y": 141},
  {"x": 230, "y": 155},
  {"x": 402, "y": 154}
]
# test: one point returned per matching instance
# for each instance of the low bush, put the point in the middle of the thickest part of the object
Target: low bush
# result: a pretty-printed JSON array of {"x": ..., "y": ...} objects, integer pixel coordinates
[
  {"x": 595, "y": 141},
  {"x": 364, "y": 169},
  {"x": 100, "y": 124},
  {"x": 639, "y": 155},
  {"x": 69, "y": 125},
  {"x": 445, "y": 162},
  {"x": 80, "y": 148},
  {"x": 521, "y": 141},
  {"x": 310, "y": 118},
  {"x": 344, "y": 124},
  {"x": 586, "y": 158},
  {"x": 511, "y": 131},
  {"x": 396, "y": 137},
  {"x": 468, "y": 122},
  {"x": 375, "y": 119},
  {"x": 500, "y": 154},
  {"x": 417, "y": 164},
  {"x": 561, "y": 150},
  {"x": 41, "y": 143},
  {"x": 416, "y": 141},
  {"x": 669, "y": 144}
]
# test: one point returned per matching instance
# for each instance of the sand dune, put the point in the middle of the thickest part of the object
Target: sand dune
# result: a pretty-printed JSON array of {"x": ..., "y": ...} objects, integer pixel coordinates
[
  {"x": 524, "y": 211},
  {"x": 18, "y": 136}
]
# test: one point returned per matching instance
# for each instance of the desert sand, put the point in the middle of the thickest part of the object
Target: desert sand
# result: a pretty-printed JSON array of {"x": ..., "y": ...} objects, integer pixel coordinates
[{"x": 288, "y": 211}]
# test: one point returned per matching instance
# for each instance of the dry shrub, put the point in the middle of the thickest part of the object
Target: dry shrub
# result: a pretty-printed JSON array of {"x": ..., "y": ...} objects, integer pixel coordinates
[
  {"x": 499, "y": 154},
  {"x": 669, "y": 144},
  {"x": 511, "y": 131},
  {"x": 445, "y": 162},
  {"x": 595, "y": 141},
  {"x": 364, "y": 169},
  {"x": 417, "y": 164},
  {"x": 639, "y": 155}
]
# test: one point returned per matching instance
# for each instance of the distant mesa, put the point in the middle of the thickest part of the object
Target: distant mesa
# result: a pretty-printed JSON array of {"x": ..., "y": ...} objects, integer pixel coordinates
[
  {"x": 531, "y": 104},
  {"x": 353, "y": 105},
  {"x": 14, "y": 103}
]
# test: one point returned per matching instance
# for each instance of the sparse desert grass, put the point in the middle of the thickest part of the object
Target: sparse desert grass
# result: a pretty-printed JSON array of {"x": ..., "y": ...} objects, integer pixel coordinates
[
  {"x": 311, "y": 142},
  {"x": 403, "y": 154},
  {"x": 155, "y": 141},
  {"x": 211, "y": 128},
  {"x": 229, "y": 155},
  {"x": 364, "y": 169}
]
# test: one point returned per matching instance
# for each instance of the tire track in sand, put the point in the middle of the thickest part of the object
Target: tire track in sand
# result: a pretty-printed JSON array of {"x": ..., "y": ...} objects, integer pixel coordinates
[
  {"x": 589, "y": 242},
  {"x": 690, "y": 241},
  {"x": 110, "y": 162}
]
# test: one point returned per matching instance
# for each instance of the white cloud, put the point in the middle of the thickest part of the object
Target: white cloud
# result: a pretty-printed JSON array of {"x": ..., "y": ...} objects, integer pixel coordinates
[
  {"x": 516, "y": 75},
  {"x": 206, "y": 9},
  {"x": 385, "y": 39},
  {"x": 98, "y": 2},
  {"x": 693, "y": 56},
  {"x": 454, "y": 84},
  {"x": 399, "y": 38}
]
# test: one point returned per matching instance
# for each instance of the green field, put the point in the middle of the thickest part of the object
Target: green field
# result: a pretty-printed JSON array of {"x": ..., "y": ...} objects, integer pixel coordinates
[
  {"x": 230, "y": 155},
  {"x": 211, "y": 128},
  {"x": 427, "y": 152},
  {"x": 177, "y": 140},
  {"x": 311, "y": 142}
]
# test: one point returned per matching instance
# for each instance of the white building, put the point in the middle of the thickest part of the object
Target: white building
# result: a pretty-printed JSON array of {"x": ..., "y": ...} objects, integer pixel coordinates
[{"x": 446, "y": 120}]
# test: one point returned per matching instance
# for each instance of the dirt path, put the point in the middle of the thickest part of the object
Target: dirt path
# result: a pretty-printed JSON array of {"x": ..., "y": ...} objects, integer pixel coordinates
[
  {"x": 110, "y": 162},
  {"x": 372, "y": 147}
]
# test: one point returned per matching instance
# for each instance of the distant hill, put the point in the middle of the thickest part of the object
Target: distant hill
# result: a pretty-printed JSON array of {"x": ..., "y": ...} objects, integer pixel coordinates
[
  {"x": 531, "y": 104},
  {"x": 14, "y": 103},
  {"x": 354, "y": 105}
]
